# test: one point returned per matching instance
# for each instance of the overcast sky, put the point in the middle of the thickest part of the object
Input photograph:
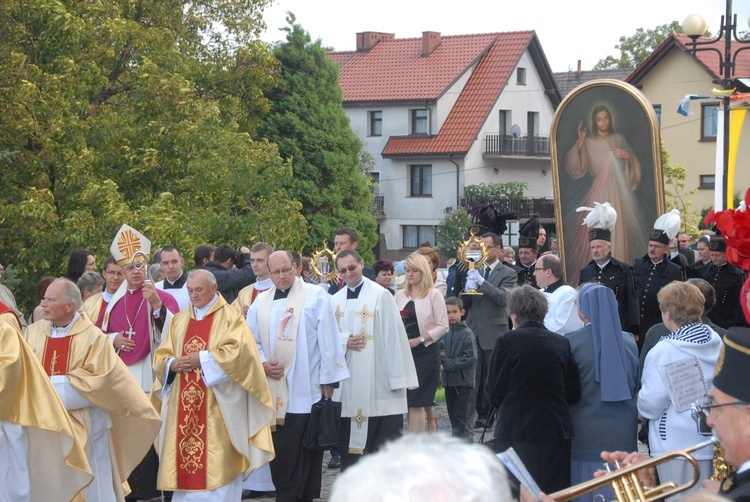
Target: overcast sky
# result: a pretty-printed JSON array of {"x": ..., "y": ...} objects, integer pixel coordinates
[{"x": 569, "y": 31}]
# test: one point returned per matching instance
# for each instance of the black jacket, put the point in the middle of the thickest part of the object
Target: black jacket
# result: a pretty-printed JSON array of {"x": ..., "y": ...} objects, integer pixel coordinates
[
  {"x": 650, "y": 279},
  {"x": 618, "y": 277},
  {"x": 230, "y": 282},
  {"x": 459, "y": 356},
  {"x": 531, "y": 379}
]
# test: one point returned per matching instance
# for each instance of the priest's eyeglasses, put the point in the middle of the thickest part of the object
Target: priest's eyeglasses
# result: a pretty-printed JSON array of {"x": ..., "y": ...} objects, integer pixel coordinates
[{"x": 282, "y": 271}]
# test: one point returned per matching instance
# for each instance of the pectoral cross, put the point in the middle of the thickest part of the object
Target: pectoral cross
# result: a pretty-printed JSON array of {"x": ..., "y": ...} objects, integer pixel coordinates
[
  {"x": 130, "y": 332},
  {"x": 53, "y": 363}
]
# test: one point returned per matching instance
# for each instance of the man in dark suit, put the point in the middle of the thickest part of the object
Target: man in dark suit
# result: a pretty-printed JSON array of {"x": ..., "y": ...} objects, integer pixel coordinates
[
  {"x": 488, "y": 315},
  {"x": 618, "y": 276},
  {"x": 727, "y": 280},
  {"x": 347, "y": 238},
  {"x": 532, "y": 379},
  {"x": 653, "y": 272}
]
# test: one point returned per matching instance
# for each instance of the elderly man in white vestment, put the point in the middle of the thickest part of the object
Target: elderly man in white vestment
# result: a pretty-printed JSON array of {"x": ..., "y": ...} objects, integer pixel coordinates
[
  {"x": 106, "y": 405},
  {"x": 373, "y": 399},
  {"x": 36, "y": 436},
  {"x": 213, "y": 397},
  {"x": 298, "y": 340}
]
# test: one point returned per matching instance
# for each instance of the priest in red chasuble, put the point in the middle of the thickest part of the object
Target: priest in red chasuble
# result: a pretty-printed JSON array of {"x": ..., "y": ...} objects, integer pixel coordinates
[
  {"x": 109, "y": 411},
  {"x": 214, "y": 399}
]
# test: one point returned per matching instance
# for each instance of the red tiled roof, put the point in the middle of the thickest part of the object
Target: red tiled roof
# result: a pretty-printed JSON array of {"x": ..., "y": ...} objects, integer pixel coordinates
[
  {"x": 341, "y": 57},
  {"x": 709, "y": 59},
  {"x": 474, "y": 104},
  {"x": 394, "y": 70}
]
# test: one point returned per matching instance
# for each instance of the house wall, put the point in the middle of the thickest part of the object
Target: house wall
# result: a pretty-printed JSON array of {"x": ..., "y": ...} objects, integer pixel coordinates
[
  {"x": 519, "y": 99},
  {"x": 400, "y": 208},
  {"x": 676, "y": 75}
]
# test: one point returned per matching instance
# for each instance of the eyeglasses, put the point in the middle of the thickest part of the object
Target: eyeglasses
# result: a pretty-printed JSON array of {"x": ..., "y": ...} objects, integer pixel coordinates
[
  {"x": 348, "y": 270},
  {"x": 698, "y": 409},
  {"x": 283, "y": 271}
]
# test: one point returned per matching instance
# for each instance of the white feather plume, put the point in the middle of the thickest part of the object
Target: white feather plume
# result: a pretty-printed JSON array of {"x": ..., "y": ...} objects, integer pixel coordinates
[
  {"x": 669, "y": 223},
  {"x": 742, "y": 206},
  {"x": 600, "y": 216}
]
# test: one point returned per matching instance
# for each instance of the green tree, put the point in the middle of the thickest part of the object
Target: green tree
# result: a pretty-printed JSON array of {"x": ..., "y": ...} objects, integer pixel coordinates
[
  {"x": 135, "y": 112},
  {"x": 451, "y": 231},
  {"x": 677, "y": 195},
  {"x": 308, "y": 122},
  {"x": 637, "y": 47}
]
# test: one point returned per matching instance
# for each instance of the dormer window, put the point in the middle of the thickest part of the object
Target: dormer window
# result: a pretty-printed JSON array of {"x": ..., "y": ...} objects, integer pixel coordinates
[{"x": 419, "y": 121}]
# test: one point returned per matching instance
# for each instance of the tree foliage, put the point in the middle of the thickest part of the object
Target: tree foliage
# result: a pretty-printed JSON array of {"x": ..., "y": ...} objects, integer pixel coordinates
[
  {"x": 677, "y": 196},
  {"x": 637, "y": 47},
  {"x": 309, "y": 124},
  {"x": 139, "y": 112},
  {"x": 451, "y": 231}
]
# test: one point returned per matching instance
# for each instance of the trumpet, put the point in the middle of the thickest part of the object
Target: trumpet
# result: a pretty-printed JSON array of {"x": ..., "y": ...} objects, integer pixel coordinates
[{"x": 627, "y": 487}]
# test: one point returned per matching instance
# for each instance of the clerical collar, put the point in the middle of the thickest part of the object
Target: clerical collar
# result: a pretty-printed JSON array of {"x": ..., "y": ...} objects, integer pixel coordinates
[
  {"x": 280, "y": 295},
  {"x": 552, "y": 287},
  {"x": 602, "y": 267},
  {"x": 263, "y": 284},
  {"x": 62, "y": 331},
  {"x": 353, "y": 293},
  {"x": 107, "y": 296},
  {"x": 172, "y": 283},
  {"x": 200, "y": 313}
]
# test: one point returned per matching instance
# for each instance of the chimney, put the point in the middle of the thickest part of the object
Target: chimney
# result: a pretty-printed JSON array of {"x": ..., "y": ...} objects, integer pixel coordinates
[
  {"x": 369, "y": 39},
  {"x": 430, "y": 42},
  {"x": 578, "y": 74}
]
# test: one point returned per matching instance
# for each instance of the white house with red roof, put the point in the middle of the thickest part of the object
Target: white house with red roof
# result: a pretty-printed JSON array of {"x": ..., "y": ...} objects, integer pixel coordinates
[{"x": 438, "y": 113}]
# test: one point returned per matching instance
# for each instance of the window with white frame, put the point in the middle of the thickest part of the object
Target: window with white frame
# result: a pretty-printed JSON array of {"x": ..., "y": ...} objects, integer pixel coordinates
[
  {"x": 420, "y": 180},
  {"x": 420, "y": 121},
  {"x": 415, "y": 235}
]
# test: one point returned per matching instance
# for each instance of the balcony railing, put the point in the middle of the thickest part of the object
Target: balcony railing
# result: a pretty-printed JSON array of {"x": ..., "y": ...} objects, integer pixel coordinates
[
  {"x": 506, "y": 144},
  {"x": 525, "y": 207},
  {"x": 379, "y": 205}
]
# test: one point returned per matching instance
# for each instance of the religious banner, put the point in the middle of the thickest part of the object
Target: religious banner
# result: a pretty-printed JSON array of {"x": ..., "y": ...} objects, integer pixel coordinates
[{"x": 605, "y": 147}]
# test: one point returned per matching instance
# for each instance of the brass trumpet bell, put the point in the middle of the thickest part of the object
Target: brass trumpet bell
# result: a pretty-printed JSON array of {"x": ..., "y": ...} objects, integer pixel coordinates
[{"x": 628, "y": 488}]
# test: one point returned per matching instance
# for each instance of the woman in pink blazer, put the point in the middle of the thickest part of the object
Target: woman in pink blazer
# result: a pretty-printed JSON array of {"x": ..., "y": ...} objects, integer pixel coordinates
[{"x": 426, "y": 321}]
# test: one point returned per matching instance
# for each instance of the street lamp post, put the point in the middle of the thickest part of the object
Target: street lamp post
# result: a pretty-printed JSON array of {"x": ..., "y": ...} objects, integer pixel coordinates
[{"x": 694, "y": 27}]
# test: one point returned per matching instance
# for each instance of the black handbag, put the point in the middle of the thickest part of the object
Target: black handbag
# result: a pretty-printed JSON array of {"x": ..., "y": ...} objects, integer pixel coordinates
[{"x": 323, "y": 428}]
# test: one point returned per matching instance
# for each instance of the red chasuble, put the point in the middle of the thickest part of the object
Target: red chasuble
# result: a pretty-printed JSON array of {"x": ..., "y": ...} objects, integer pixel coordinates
[
  {"x": 192, "y": 413},
  {"x": 102, "y": 311},
  {"x": 57, "y": 355}
]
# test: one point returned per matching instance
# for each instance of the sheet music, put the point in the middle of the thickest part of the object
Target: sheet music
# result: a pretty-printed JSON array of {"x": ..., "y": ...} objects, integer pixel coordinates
[
  {"x": 514, "y": 464},
  {"x": 685, "y": 383}
]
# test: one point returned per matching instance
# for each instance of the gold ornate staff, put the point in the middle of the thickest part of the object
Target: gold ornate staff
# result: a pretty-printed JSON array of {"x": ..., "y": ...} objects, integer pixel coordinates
[{"x": 472, "y": 254}]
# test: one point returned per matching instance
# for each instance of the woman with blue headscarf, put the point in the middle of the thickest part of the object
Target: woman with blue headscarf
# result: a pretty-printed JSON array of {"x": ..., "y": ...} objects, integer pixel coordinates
[{"x": 606, "y": 417}]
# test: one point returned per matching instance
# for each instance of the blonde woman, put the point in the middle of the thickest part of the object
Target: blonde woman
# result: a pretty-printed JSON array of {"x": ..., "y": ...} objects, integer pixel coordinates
[{"x": 426, "y": 321}]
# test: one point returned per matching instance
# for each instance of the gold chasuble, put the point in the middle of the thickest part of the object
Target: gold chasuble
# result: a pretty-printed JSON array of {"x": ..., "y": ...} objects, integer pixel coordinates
[
  {"x": 58, "y": 467},
  {"x": 211, "y": 434},
  {"x": 87, "y": 358}
]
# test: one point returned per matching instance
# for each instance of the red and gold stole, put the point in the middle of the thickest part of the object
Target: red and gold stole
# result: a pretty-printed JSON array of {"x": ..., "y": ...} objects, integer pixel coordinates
[
  {"x": 192, "y": 409},
  {"x": 57, "y": 355}
]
